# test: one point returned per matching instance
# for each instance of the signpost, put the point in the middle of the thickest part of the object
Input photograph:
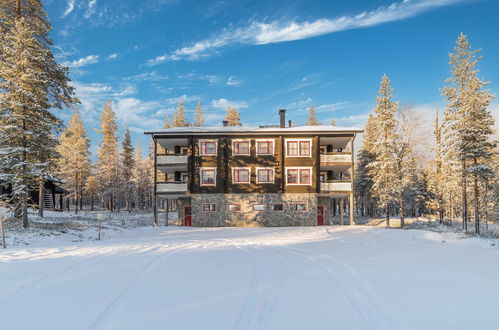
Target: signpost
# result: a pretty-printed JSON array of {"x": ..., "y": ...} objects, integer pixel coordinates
[
  {"x": 100, "y": 217},
  {"x": 3, "y": 215}
]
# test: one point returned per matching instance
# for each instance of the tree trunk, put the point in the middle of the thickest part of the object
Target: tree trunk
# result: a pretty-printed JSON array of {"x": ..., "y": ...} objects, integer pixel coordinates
[
  {"x": 476, "y": 204},
  {"x": 25, "y": 207},
  {"x": 464, "y": 199},
  {"x": 387, "y": 216},
  {"x": 401, "y": 213},
  {"x": 41, "y": 198}
]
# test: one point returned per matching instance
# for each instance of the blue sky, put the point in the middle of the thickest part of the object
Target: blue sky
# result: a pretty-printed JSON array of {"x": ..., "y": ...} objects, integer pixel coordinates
[{"x": 262, "y": 55}]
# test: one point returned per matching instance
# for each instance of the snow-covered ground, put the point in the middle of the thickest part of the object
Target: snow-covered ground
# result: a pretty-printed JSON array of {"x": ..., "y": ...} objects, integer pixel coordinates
[{"x": 358, "y": 277}]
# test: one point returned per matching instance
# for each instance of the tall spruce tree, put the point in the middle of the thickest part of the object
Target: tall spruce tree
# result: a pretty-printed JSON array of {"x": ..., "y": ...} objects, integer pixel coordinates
[
  {"x": 312, "y": 121},
  {"x": 74, "y": 161},
  {"x": 470, "y": 122},
  {"x": 232, "y": 117},
  {"x": 31, "y": 83},
  {"x": 179, "y": 119},
  {"x": 363, "y": 177},
  {"x": 383, "y": 168},
  {"x": 127, "y": 166},
  {"x": 198, "y": 116},
  {"x": 108, "y": 156}
]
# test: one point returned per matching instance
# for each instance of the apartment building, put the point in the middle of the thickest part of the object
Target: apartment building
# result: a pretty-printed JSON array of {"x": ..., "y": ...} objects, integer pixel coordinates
[{"x": 255, "y": 176}]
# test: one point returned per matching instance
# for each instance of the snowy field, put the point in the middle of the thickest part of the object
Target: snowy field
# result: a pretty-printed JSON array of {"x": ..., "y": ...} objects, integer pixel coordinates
[{"x": 253, "y": 278}]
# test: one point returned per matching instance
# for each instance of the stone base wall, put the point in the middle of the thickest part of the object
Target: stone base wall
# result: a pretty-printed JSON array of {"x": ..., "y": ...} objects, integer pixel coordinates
[
  {"x": 248, "y": 217},
  {"x": 181, "y": 203}
]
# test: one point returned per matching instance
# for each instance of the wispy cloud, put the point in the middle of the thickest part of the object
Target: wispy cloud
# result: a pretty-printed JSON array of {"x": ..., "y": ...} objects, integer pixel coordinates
[
  {"x": 71, "y": 7},
  {"x": 224, "y": 104},
  {"x": 259, "y": 33},
  {"x": 112, "y": 56},
  {"x": 232, "y": 81},
  {"x": 90, "y": 59}
]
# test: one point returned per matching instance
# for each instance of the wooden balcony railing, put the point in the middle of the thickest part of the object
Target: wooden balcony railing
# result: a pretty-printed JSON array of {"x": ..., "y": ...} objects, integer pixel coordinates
[
  {"x": 342, "y": 186},
  {"x": 340, "y": 157},
  {"x": 171, "y": 159},
  {"x": 172, "y": 187}
]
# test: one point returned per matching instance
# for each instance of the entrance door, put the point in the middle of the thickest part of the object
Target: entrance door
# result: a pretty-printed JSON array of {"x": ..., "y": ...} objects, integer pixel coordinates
[
  {"x": 320, "y": 215},
  {"x": 187, "y": 216}
]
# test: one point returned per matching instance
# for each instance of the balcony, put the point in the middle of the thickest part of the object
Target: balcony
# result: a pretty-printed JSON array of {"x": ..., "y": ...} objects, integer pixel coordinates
[
  {"x": 163, "y": 160},
  {"x": 172, "y": 187},
  {"x": 336, "y": 186},
  {"x": 340, "y": 158}
]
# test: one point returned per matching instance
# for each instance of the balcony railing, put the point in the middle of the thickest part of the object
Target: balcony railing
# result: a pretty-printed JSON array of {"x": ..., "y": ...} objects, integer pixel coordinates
[
  {"x": 343, "y": 186},
  {"x": 172, "y": 187},
  {"x": 171, "y": 159},
  {"x": 336, "y": 158}
]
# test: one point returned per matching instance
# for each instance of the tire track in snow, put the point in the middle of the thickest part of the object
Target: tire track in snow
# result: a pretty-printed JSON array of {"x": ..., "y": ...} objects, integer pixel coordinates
[
  {"x": 106, "y": 314},
  {"x": 357, "y": 295},
  {"x": 260, "y": 300}
]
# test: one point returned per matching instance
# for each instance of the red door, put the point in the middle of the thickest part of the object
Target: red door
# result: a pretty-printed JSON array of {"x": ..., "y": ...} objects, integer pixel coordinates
[
  {"x": 320, "y": 215},
  {"x": 187, "y": 216}
]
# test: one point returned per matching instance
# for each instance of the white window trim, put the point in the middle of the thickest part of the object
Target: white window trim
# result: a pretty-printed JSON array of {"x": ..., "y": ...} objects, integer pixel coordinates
[
  {"x": 297, "y": 140},
  {"x": 265, "y": 168},
  {"x": 202, "y": 207},
  {"x": 299, "y": 203},
  {"x": 298, "y": 168},
  {"x": 253, "y": 207},
  {"x": 241, "y": 140},
  {"x": 201, "y": 169},
  {"x": 207, "y": 140},
  {"x": 265, "y": 140},
  {"x": 241, "y": 168}
]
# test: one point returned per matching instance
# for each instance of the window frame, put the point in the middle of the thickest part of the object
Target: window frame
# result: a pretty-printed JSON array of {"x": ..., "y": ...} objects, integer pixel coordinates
[
  {"x": 272, "y": 207},
  {"x": 265, "y": 168},
  {"x": 299, "y": 169},
  {"x": 230, "y": 204},
  {"x": 234, "y": 169},
  {"x": 201, "y": 170},
  {"x": 298, "y": 142},
  {"x": 200, "y": 144},
  {"x": 236, "y": 141},
  {"x": 265, "y": 140},
  {"x": 292, "y": 205},
  {"x": 263, "y": 204},
  {"x": 212, "y": 204}
]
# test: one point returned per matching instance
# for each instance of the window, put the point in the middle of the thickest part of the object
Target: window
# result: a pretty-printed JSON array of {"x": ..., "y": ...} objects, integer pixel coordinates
[
  {"x": 298, "y": 148},
  {"x": 241, "y": 147},
  {"x": 298, "y": 207},
  {"x": 264, "y": 175},
  {"x": 259, "y": 207},
  {"x": 208, "y": 147},
  {"x": 241, "y": 175},
  {"x": 209, "y": 207},
  {"x": 277, "y": 207},
  {"x": 208, "y": 176},
  {"x": 234, "y": 207},
  {"x": 299, "y": 176},
  {"x": 264, "y": 147}
]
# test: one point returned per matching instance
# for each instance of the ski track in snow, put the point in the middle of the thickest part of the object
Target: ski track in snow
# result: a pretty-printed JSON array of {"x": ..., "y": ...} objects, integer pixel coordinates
[{"x": 107, "y": 313}]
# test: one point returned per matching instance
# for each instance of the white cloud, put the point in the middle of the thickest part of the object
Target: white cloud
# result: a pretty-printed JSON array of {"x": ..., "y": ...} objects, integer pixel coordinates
[
  {"x": 90, "y": 59},
  {"x": 232, "y": 81},
  {"x": 112, "y": 56},
  {"x": 146, "y": 76},
  {"x": 71, "y": 7},
  {"x": 224, "y": 104},
  {"x": 259, "y": 33}
]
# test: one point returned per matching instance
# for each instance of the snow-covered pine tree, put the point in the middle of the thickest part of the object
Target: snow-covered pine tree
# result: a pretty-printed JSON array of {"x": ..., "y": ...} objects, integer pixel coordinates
[
  {"x": 470, "y": 122},
  {"x": 31, "y": 83},
  {"x": 141, "y": 177},
  {"x": 312, "y": 121},
  {"x": 198, "y": 116},
  {"x": 179, "y": 119},
  {"x": 92, "y": 189},
  {"x": 73, "y": 165},
  {"x": 232, "y": 117},
  {"x": 108, "y": 156},
  {"x": 363, "y": 178},
  {"x": 168, "y": 121},
  {"x": 127, "y": 166},
  {"x": 383, "y": 168}
]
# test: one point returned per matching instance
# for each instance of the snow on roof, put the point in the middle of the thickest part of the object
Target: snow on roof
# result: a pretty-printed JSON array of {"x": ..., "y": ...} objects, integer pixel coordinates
[{"x": 254, "y": 129}]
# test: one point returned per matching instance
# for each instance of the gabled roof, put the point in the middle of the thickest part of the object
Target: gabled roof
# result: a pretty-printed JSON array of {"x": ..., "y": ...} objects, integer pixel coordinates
[{"x": 239, "y": 130}]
